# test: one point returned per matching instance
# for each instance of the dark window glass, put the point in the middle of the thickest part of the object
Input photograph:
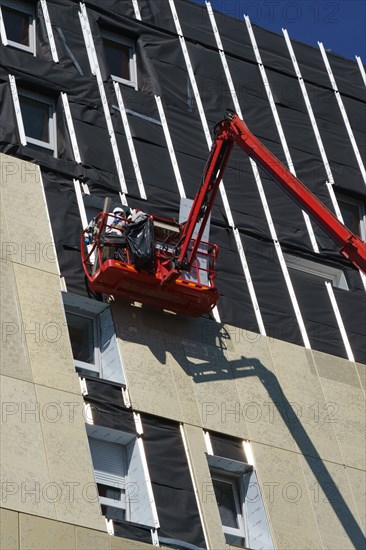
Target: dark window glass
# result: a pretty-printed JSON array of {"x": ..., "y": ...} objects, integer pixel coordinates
[
  {"x": 16, "y": 25},
  {"x": 81, "y": 331},
  {"x": 118, "y": 514},
  {"x": 118, "y": 58},
  {"x": 36, "y": 115},
  {"x": 351, "y": 216},
  {"x": 109, "y": 492},
  {"x": 224, "y": 493}
]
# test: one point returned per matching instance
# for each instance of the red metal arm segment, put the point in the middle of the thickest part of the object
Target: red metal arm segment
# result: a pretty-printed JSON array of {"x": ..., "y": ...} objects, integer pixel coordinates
[{"x": 233, "y": 130}]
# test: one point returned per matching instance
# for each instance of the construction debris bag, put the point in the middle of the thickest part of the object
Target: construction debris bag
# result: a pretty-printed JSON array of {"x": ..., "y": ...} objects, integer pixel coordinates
[{"x": 140, "y": 239}]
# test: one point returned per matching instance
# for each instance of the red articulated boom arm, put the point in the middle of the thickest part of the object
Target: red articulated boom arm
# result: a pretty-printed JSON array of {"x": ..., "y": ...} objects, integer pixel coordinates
[{"x": 233, "y": 130}]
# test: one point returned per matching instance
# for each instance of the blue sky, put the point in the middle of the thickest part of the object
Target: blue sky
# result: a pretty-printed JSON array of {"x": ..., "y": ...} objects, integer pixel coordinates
[{"x": 339, "y": 24}]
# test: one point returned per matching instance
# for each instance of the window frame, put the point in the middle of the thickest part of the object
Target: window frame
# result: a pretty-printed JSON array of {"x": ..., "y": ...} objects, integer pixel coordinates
[
  {"x": 121, "y": 40},
  {"x": 235, "y": 482},
  {"x": 353, "y": 201},
  {"x": 83, "y": 365},
  {"x": 28, "y": 9},
  {"x": 316, "y": 269},
  {"x": 52, "y": 122}
]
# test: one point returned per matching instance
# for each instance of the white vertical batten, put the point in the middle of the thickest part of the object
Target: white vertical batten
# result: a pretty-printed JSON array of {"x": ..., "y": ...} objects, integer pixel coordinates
[
  {"x": 339, "y": 321},
  {"x": 343, "y": 111},
  {"x": 95, "y": 69},
  {"x": 277, "y": 120},
  {"x": 130, "y": 143},
  {"x": 362, "y": 68},
  {"x": 170, "y": 147},
  {"x": 18, "y": 112},
  {"x": 136, "y": 9},
  {"x": 49, "y": 30},
  {"x": 318, "y": 138},
  {"x": 222, "y": 186},
  {"x": 71, "y": 128},
  {"x": 260, "y": 185}
]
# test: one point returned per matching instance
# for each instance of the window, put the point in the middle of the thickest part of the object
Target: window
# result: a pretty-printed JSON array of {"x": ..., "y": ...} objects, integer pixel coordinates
[
  {"x": 83, "y": 337},
  {"x": 39, "y": 120},
  {"x": 314, "y": 269},
  {"x": 243, "y": 517},
  {"x": 109, "y": 461},
  {"x": 92, "y": 338},
  {"x": 18, "y": 25},
  {"x": 229, "y": 501},
  {"x": 121, "y": 476},
  {"x": 121, "y": 58},
  {"x": 353, "y": 214}
]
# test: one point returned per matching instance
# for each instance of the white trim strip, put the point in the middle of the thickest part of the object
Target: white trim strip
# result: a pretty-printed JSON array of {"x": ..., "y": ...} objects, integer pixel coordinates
[
  {"x": 94, "y": 66},
  {"x": 170, "y": 147},
  {"x": 4, "y": 39},
  {"x": 339, "y": 321},
  {"x": 248, "y": 451},
  {"x": 150, "y": 492},
  {"x": 222, "y": 186},
  {"x": 318, "y": 138},
  {"x": 70, "y": 126},
  {"x": 277, "y": 120},
  {"x": 138, "y": 423},
  {"x": 130, "y": 143},
  {"x": 18, "y": 112},
  {"x": 51, "y": 38},
  {"x": 208, "y": 443},
  {"x": 136, "y": 9},
  {"x": 362, "y": 68},
  {"x": 80, "y": 201},
  {"x": 263, "y": 200},
  {"x": 343, "y": 111},
  {"x": 202, "y": 518}
]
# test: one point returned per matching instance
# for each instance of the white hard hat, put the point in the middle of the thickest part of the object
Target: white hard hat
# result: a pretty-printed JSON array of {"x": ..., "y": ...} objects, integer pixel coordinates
[{"x": 118, "y": 211}]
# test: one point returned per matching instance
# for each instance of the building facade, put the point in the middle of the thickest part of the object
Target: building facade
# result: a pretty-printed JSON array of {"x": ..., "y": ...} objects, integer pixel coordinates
[{"x": 125, "y": 426}]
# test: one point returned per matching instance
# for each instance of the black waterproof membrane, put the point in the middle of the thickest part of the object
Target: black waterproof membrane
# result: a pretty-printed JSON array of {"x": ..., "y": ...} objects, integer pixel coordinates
[
  {"x": 161, "y": 71},
  {"x": 167, "y": 464}
]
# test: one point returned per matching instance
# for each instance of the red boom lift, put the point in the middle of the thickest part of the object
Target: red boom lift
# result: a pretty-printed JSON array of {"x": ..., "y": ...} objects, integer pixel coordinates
[{"x": 183, "y": 277}]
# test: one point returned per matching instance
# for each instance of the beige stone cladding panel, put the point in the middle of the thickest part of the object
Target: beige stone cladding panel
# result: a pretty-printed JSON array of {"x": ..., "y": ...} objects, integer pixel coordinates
[
  {"x": 286, "y": 496},
  {"x": 357, "y": 481},
  {"x": 29, "y": 231},
  {"x": 7, "y": 249},
  {"x": 148, "y": 372},
  {"x": 361, "y": 371},
  {"x": 202, "y": 477},
  {"x": 306, "y": 405},
  {"x": 261, "y": 397},
  {"x": 88, "y": 539},
  {"x": 47, "y": 336},
  {"x": 335, "y": 510},
  {"x": 14, "y": 359},
  {"x": 346, "y": 406},
  {"x": 9, "y": 539},
  {"x": 215, "y": 388},
  {"x": 68, "y": 457},
  {"x": 37, "y": 533},
  {"x": 24, "y": 468}
]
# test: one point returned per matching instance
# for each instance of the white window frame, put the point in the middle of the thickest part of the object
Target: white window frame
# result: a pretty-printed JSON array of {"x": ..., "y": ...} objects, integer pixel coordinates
[
  {"x": 361, "y": 211},
  {"x": 115, "y": 485},
  {"x": 324, "y": 272},
  {"x": 132, "y": 63},
  {"x": 235, "y": 482},
  {"x": 52, "y": 123},
  {"x": 28, "y": 9},
  {"x": 96, "y": 366}
]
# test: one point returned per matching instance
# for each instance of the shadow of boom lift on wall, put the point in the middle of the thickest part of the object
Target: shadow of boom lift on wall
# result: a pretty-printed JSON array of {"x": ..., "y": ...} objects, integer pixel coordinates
[{"x": 219, "y": 367}]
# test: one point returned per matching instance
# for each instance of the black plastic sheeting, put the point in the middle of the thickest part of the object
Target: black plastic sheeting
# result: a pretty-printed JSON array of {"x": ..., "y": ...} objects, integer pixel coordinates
[
  {"x": 167, "y": 463},
  {"x": 161, "y": 70},
  {"x": 227, "y": 447},
  {"x": 171, "y": 480}
]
